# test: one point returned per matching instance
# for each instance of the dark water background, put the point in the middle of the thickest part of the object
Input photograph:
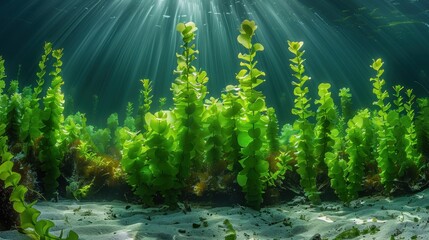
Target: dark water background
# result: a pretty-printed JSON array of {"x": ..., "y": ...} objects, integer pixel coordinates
[{"x": 109, "y": 45}]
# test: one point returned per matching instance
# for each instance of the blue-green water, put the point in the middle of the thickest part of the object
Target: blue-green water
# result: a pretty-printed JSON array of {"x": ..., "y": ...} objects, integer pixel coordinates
[{"x": 110, "y": 45}]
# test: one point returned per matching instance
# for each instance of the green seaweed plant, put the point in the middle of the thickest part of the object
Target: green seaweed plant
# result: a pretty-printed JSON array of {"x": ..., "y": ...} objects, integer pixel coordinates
[
  {"x": 31, "y": 116},
  {"x": 396, "y": 156},
  {"x": 129, "y": 121},
  {"x": 161, "y": 170},
  {"x": 326, "y": 117},
  {"x": 214, "y": 144},
  {"x": 13, "y": 117},
  {"x": 277, "y": 168},
  {"x": 328, "y": 142},
  {"x": 145, "y": 102},
  {"x": 346, "y": 104},
  {"x": 400, "y": 123},
  {"x": 386, "y": 139},
  {"x": 253, "y": 123},
  {"x": 230, "y": 231},
  {"x": 150, "y": 164},
  {"x": 189, "y": 91},
  {"x": 232, "y": 110},
  {"x": 50, "y": 153},
  {"x": 422, "y": 127},
  {"x": 303, "y": 140},
  {"x": 358, "y": 134},
  {"x": 411, "y": 148}
]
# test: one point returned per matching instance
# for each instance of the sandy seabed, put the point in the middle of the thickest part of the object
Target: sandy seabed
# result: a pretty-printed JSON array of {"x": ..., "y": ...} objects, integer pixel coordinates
[{"x": 404, "y": 217}]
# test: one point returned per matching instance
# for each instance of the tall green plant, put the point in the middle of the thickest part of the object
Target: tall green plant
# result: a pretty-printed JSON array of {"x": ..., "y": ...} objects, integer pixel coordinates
[
  {"x": 31, "y": 119},
  {"x": 13, "y": 118},
  {"x": 422, "y": 127},
  {"x": 357, "y": 137},
  {"x": 232, "y": 110},
  {"x": 384, "y": 120},
  {"x": 411, "y": 136},
  {"x": 214, "y": 140},
  {"x": 303, "y": 140},
  {"x": 150, "y": 164},
  {"x": 253, "y": 123},
  {"x": 50, "y": 153},
  {"x": 328, "y": 142},
  {"x": 337, "y": 164},
  {"x": 346, "y": 104},
  {"x": 189, "y": 92},
  {"x": 406, "y": 156},
  {"x": 326, "y": 117}
]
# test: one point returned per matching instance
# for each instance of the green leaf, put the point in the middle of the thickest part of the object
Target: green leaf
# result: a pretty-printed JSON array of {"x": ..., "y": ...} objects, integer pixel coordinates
[
  {"x": 392, "y": 118},
  {"x": 18, "y": 194},
  {"x": 42, "y": 227},
  {"x": 254, "y": 132},
  {"x": 180, "y": 27},
  {"x": 72, "y": 236},
  {"x": 258, "y": 47},
  {"x": 244, "y": 139},
  {"x": 377, "y": 64},
  {"x": 5, "y": 170},
  {"x": 241, "y": 179},
  {"x": 248, "y": 27},
  {"x": 257, "y": 106},
  {"x": 244, "y": 40},
  {"x": 29, "y": 217},
  {"x": 19, "y": 207},
  {"x": 12, "y": 180}
]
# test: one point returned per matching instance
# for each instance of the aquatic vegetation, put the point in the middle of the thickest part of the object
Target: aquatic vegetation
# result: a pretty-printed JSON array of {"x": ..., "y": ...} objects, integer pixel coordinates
[
  {"x": 276, "y": 158},
  {"x": 150, "y": 164},
  {"x": 129, "y": 121},
  {"x": 189, "y": 91},
  {"x": 326, "y": 119},
  {"x": 346, "y": 104},
  {"x": 49, "y": 152},
  {"x": 230, "y": 232},
  {"x": 422, "y": 127},
  {"x": 392, "y": 134},
  {"x": 232, "y": 109},
  {"x": 355, "y": 232},
  {"x": 31, "y": 117},
  {"x": 303, "y": 140},
  {"x": 161, "y": 170},
  {"x": 145, "y": 102},
  {"x": 214, "y": 145},
  {"x": 328, "y": 143},
  {"x": 358, "y": 134},
  {"x": 253, "y": 123},
  {"x": 13, "y": 116}
]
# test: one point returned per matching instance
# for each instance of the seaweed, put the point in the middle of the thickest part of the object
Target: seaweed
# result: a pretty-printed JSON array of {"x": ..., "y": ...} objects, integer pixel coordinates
[
  {"x": 253, "y": 123},
  {"x": 230, "y": 232},
  {"x": 145, "y": 102},
  {"x": 189, "y": 91},
  {"x": 50, "y": 153},
  {"x": 303, "y": 140}
]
